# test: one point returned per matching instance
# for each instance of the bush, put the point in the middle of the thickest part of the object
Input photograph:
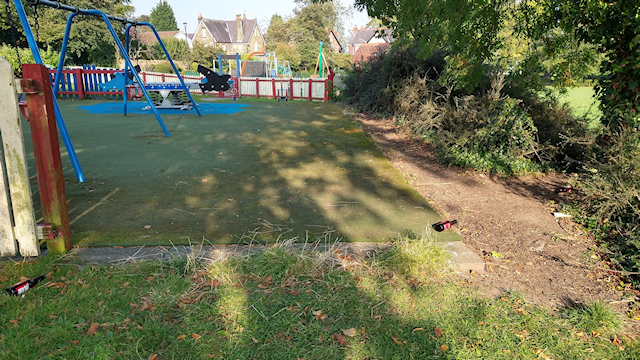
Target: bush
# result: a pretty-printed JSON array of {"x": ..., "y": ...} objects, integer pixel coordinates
[
  {"x": 503, "y": 127},
  {"x": 493, "y": 133},
  {"x": 49, "y": 57},
  {"x": 161, "y": 68},
  {"x": 611, "y": 196}
]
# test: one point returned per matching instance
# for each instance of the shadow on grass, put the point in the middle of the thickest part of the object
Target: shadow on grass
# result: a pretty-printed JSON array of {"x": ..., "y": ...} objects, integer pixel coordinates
[
  {"x": 275, "y": 170},
  {"x": 282, "y": 304}
]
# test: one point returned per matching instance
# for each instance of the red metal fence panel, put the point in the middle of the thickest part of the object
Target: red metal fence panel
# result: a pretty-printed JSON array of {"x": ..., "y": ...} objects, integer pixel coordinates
[{"x": 82, "y": 83}]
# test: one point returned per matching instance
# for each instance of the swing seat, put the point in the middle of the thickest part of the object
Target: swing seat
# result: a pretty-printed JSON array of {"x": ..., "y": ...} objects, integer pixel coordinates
[{"x": 133, "y": 92}]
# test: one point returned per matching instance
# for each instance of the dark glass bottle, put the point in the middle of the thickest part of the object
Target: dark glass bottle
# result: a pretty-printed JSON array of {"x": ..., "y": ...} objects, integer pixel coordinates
[
  {"x": 23, "y": 286},
  {"x": 444, "y": 225}
]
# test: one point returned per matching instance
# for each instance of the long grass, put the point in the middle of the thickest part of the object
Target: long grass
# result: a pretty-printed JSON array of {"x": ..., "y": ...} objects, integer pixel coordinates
[{"x": 283, "y": 303}]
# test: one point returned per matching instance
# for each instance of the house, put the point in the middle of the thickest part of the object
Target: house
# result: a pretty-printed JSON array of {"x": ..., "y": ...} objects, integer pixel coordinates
[
  {"x": 366, "y": 51},
  {"x": 240, "y": 36},
  {"x": 369, "y": 36}
]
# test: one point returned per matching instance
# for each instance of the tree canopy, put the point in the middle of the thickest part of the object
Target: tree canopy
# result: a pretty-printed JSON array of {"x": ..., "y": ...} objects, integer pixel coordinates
[
  {"x": 297, "y": 39},
  {"x": 89, "y": 42},
  {"x": 162, "y": 17}
]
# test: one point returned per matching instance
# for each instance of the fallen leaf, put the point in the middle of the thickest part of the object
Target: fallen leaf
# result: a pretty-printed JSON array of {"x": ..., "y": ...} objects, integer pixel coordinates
[
  {"x": 443, "y": 348},
  {"x": 93, "y": 329},
  {"x": 589, "y": 350},
  {"x": 196, "y": 336},
  {"x": 255, "y": 341},
  {"x": 417, "y": 329},
  {"x": 437, "y": 332},
  {"x": 52, "y": 316},
  {"x": 154, "y": 357},
  {"x": 379, "y": 317},
  {"x": 180, "y": 337},
  {"x": 125, "y": 285},
  {"x": 215, "y": 283},
  {"x": 339, "y": 338},
  {"x": 319, "y": 315},
  {"x": 350, "y": 332},
  {"x": 75, "y": 342},
  {"x": 267, "y": 280},
  {"x": 396, "y": 341},
  {"x": 100, "y": 303},
  {"x": 615, "y": 341},
  {"x": 150, "y": 277},
  {"x": 147, "y": 226},
  {"x": 595, "y": 334},
  {"x": 15, "y": 322},
  {"x": 23, "y": 278},
  {"x": 364, "y": 332},
  {"x": 522, "y": 311}
]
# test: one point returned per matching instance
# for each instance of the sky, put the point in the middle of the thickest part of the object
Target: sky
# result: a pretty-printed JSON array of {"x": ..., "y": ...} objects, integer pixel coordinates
[{"x": 188, "y": 10}]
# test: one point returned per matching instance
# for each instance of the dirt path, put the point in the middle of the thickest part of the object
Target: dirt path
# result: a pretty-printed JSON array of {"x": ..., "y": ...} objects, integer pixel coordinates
[{"x": 508, "y": 222}]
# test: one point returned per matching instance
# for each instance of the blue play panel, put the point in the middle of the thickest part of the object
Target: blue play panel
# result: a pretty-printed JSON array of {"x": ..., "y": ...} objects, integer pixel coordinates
[{"x": 136, "y": 107}]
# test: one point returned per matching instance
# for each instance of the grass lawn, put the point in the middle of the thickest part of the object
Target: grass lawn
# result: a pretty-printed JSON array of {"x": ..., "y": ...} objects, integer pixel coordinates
[
  {"x": 272, "y": 170},
  {"x": 284, "y": 304},
  {"x": 582, "y": 102}
]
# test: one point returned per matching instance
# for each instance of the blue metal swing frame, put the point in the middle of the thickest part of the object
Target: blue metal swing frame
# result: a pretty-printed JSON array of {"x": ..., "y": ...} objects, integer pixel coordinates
[{"x": 125, "y": 54}]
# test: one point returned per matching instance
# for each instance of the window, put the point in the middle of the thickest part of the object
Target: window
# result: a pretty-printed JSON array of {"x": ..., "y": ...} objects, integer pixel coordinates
[
  {"x": 204, "y": 33},
  {"x": 255, "y": 46}
]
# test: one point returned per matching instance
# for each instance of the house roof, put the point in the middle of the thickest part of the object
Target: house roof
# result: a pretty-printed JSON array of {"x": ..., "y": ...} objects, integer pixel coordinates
[
  {"x": 226, "y": 31},
  {"x": 363, "y": 36},
  {"x": 367, "y": 51}
]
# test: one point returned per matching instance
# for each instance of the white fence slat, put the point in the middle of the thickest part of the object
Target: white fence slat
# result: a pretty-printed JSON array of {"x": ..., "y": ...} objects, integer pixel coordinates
[
  {"x": 7, "y": 241},
  {"x": 16, "y": 165}
]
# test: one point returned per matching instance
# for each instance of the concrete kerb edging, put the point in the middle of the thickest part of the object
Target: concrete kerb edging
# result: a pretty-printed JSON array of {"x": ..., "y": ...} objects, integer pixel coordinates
[{"x": 464, "y": 260}]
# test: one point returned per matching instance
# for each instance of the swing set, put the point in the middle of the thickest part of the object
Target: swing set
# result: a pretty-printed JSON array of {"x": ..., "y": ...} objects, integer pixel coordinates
[{"x": 124, "y": 51}]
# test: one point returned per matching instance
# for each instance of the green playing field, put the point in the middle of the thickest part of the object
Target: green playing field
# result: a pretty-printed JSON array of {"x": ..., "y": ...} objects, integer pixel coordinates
[{"x": 294, "y": 170}]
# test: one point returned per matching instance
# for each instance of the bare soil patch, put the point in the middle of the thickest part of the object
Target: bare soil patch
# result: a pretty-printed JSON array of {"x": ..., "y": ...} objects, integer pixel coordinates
[{"x": 508, "y": 222}]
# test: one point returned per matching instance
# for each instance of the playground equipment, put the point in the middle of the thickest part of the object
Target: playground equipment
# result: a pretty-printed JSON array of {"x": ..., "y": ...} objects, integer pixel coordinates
[
  {"x": 275, "y": 68},
  {"x": 164, "y": 95},
  {"x": 321, "y": 63},
  {"x": 234, "y": 82},
  {"x": 124, "y": 51}
]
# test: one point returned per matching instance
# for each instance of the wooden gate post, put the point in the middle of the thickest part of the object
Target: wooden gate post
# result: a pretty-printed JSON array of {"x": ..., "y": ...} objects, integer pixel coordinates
[
  {"x": 17, "y": 174},
  {"x": 46, "y": 149}
]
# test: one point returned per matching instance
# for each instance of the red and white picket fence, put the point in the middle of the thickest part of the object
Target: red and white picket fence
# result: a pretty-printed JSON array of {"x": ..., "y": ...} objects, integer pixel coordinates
[{"x": 83, "y": 83}]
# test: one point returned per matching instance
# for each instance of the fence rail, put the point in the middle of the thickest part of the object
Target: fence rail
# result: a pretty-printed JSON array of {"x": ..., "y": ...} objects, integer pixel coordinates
[{"x": 83, "y": 83}]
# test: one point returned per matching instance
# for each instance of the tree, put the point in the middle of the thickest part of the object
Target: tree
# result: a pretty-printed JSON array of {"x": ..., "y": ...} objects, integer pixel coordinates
[
  {"x": 89, "y": 42},
  {"x": 175, "y": 47},
  {"x": 204, "y": 55},
  {"x": 162, "y": 17},
  {"x": 277, "y": 33}
]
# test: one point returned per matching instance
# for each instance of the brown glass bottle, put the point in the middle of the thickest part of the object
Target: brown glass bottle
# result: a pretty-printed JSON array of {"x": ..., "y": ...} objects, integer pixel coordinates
[
  {"x": 444, "y": 225},
  {"x": 23, "y": 286}
]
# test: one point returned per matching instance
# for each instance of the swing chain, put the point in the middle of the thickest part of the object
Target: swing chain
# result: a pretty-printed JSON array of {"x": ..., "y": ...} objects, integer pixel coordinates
[
  {"x": 36, "y": 22},
  {"x": 14, "y": 37}
]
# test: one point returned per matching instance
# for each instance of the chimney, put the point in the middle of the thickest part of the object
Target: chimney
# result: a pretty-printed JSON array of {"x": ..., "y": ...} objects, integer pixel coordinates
[
  {"x": 199, "y": 17},
  {"x": 355, "y": 30},
  {"x": 239, "y": 33}
]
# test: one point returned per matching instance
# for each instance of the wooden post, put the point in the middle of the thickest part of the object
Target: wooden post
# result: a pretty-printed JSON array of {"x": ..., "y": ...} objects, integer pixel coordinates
[
  {"x": 273, "y": 87},
  {"x": 310, "y": 89},
  {"x": 257, "y": 87},
  {"x": 46, "y": 149},
  {"x": 79, "y": 84},
  {"x": 17, "y": 172},
  {"x": 291, "y": 89},
  {"x": 329, "y": 86}
]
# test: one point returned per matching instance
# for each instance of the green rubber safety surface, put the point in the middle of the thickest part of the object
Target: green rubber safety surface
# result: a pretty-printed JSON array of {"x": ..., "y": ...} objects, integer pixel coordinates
[{"x": 275, "y": 171}]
